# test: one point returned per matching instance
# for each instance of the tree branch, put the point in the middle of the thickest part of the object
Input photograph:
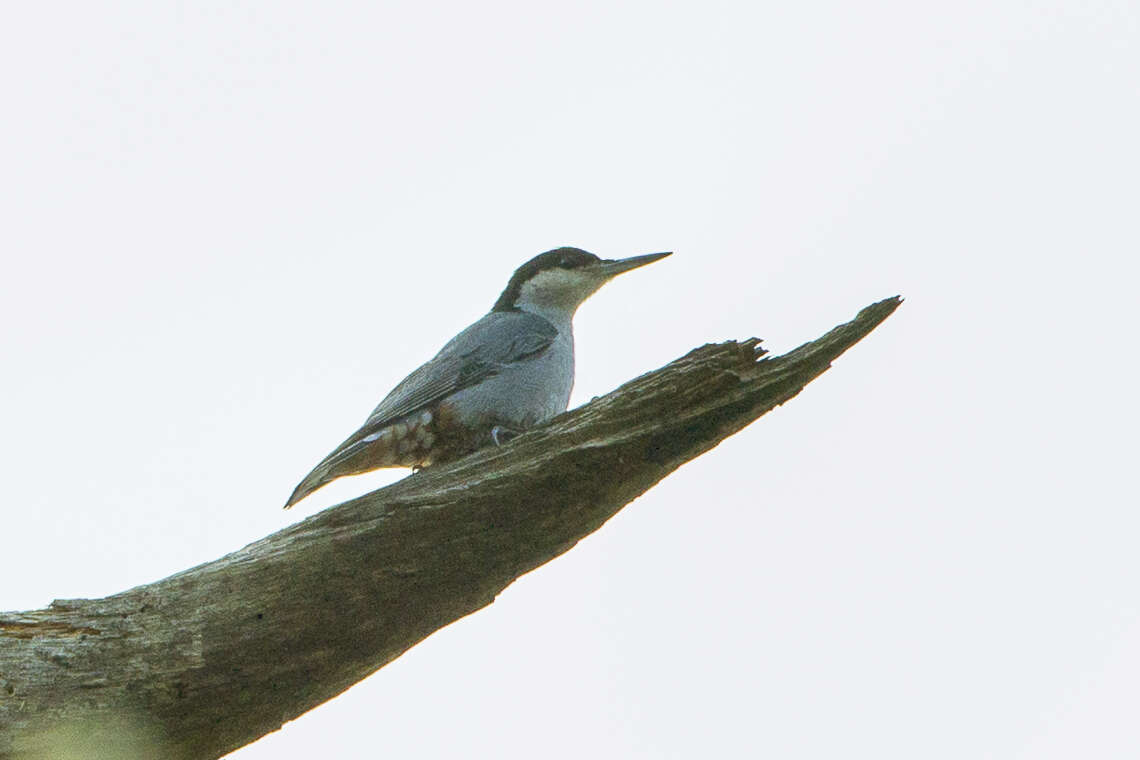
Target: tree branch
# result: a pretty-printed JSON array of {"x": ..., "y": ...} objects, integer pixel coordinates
[{"x": 208, "y": 660}]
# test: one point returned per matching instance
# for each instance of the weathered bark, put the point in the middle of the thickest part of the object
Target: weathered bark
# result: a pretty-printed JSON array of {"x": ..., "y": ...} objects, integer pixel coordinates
[{"x": 212, "y": 658}]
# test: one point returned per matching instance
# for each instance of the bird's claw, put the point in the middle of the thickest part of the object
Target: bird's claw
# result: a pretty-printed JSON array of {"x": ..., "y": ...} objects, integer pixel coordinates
[{"x": 501, "y": 435}]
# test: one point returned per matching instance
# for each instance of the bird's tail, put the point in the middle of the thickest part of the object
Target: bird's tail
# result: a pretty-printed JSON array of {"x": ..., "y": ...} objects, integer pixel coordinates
[
  {"x": 361, "y": 453},
  {"x": 314, "y": 480}
]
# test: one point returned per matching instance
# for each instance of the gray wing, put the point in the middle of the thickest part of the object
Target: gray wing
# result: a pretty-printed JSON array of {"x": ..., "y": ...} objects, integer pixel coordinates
[{"x": 480, "y": 351}]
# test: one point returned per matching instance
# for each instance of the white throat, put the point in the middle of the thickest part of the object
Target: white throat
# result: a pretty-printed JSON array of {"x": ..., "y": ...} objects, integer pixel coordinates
[
  {"x": 555, "y": 294},
  {"x": 558, "y": 316}
]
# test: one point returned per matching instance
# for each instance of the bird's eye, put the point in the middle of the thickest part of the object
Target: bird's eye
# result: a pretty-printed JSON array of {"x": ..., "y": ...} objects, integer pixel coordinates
[{"x": 566, "y": 262}]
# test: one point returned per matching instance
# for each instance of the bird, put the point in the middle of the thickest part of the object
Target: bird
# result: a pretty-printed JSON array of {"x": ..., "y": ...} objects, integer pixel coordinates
[{"x": 509, "y": 371}]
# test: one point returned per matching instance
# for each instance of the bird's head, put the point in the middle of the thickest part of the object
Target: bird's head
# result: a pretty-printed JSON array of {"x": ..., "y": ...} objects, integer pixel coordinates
[{"x": 559, "y": 281}]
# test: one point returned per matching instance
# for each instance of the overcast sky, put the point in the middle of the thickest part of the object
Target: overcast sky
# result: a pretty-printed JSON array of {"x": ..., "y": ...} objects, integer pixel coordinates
[{"x": 229, "y": 228}]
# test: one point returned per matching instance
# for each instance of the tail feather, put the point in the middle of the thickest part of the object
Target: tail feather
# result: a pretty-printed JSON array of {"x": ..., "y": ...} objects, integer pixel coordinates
[
  {"x": 314, "y": 480},
  {"x": 353, "y": 457},
  {"x": 404, "y": 443}
]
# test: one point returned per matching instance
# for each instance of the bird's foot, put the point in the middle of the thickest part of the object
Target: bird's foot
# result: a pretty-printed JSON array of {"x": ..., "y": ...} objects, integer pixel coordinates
[{"x": 501, "y": 435}]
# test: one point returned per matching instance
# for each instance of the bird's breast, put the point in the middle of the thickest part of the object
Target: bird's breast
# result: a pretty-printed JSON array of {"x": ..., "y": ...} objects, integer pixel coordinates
[{"x": 522, "y": 394}]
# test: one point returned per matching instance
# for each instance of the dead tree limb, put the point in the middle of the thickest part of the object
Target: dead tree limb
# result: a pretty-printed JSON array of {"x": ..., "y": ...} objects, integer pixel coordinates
[{"x": 208, "y": 660}]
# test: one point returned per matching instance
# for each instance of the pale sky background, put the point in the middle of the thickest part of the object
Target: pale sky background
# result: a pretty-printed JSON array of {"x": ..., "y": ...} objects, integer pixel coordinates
[{"x": 229, "y": 228}]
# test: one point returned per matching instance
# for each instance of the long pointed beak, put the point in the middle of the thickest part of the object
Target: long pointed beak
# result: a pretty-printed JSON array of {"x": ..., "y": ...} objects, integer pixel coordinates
[{"x": 614, "y": 267}]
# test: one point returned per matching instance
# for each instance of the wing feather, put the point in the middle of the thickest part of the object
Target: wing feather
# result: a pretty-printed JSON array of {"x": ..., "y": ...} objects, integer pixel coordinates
[
  {"x": 498, "y": 339},
  {"x": 480, "y": 351}
]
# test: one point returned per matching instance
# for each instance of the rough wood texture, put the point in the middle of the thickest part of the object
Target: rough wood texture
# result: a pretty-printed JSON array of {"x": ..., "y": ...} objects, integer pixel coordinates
[{"x": 212, "y": 658}]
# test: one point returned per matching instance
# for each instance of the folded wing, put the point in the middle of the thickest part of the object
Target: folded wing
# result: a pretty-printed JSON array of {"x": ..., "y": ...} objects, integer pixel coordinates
[{"x": 480, "y": 351}]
